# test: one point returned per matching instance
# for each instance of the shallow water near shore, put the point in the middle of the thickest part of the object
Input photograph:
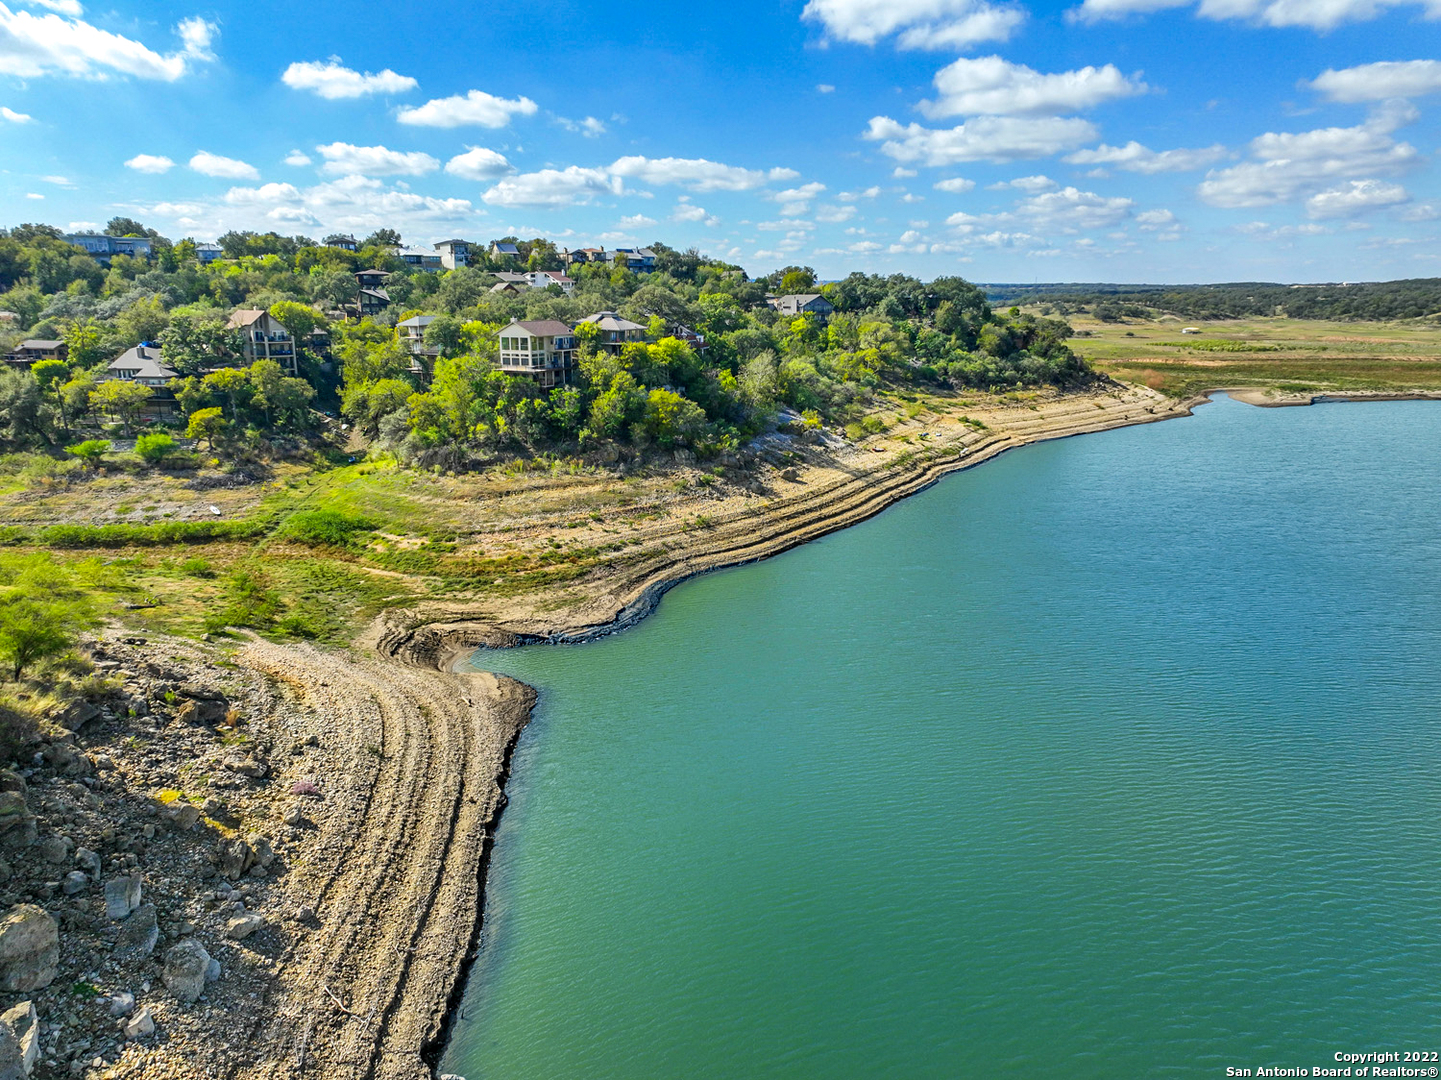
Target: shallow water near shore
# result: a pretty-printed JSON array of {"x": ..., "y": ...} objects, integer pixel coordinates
[{"x": 1114, "y": 757}]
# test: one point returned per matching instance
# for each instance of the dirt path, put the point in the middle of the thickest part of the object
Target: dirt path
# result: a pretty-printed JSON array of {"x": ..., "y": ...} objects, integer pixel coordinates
[{"x": 420, "y": 759}]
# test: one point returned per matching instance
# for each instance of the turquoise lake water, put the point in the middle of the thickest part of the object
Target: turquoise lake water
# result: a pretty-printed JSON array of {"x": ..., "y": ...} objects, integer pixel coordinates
[{"x": 1115, "y": 757}]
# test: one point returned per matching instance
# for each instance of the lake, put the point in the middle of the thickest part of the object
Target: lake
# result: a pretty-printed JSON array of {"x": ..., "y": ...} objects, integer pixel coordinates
[{"x": 1114, "y": 757}]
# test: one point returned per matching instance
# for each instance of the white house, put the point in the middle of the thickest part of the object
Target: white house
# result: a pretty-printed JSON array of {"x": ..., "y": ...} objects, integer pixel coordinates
[
  {"x": 542, "y": 279},
  {"x": 453, "y": 253},
  {"x": 542, "y": 350}
]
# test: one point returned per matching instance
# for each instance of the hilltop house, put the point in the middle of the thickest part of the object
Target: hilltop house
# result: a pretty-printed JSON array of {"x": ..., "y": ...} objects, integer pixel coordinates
[
  {"x": 584, "y": 255},
  {"x": 32, "y": 350},
  {"x": 207, "y": 253},
  {"x": 412, "y": 336},
  {"x": 453, "y": 253},
  {"x": 103, "y": 248},
  {"x": 543, "y": 279},
  {"x": 615, "y": 333},
  {"x": 373, "y": 301},
  {"x": 143, "y": 365},
  {"x": 637, "y": 260},
  {"x": 796, "y": 304},
  {"x": 511, "y": 288},
  {"x": 420, "y": 258},
  {"x": 344, "y": 241},
  {"x": 370, "y": 279},
  {"x": 543, "y": 350},
  {"x": 264, "y": 338},
  {"x": 503, "y": 250}
]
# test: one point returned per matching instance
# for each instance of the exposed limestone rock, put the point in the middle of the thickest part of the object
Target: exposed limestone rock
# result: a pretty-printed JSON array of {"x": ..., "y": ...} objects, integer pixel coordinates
[{"x": 29, "y": 949}]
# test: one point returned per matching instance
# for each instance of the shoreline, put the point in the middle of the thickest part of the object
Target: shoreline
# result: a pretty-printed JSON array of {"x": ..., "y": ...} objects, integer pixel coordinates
[{"x": 376, "y": 989}]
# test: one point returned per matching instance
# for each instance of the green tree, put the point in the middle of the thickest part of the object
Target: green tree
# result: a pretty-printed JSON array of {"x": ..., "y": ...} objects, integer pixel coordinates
[
  {"x": 91, "y": 451},
  {"x": 300, "y": 319},
  {"x": 672, "y": 420},
  {"x": 85, "y": 341},
  {"x": 33, "y": 629},
  {"x": 154, "y": 447},
  {"x": 192, "y": 342},
  {"x": 446, "y": 333},
  {"x": 207, "y": 424},
  {"x": 121, "y": 399},
  {"x": 232, "y": 384},
  {"x": 52, "y": 376}
]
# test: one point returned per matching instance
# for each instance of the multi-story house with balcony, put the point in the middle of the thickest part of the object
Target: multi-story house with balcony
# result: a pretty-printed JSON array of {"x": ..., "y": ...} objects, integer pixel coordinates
[
  {"x": 543, "y": 279},
  {"x": 207, "y": 253},
  {"x": 32, "y": 350},
  {"x": 503, "y": 249},
  {"x": 453, "y": 253},
  {"x": 795, "y": 304},
  {"x": 143, "y": 365},
  {"x": 637, "y": 260},
  {"x": 584, "y": 255},
  {"x": 264, "y": 338},
  {"x": 615, "y": 333},
  {"x": 543, "y": 350},
  {"x": 343, "y": 241},
  {"x": 420, "y": 258}
]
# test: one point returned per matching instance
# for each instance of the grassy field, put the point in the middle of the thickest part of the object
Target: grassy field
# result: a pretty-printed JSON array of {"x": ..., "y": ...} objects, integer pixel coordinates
[{"x": 1283, "y": 354}]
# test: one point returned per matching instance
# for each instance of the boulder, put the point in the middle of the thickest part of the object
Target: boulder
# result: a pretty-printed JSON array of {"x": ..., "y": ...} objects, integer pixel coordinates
[
  {"x": 24, "y": 1027},
  {"x": 196, "y": 711},
  {"x": 182, "y": 815},
  {"x": 122, "y": 895},
  {"x": 139, "y": 935},
  {"x": 12, "y": 1057},
  {"x": 122, "y": 1003},
  {"x": 55, "y": 850},
  {"x": 236, "y": 858},
  {"x": 89, "y": 861},
  {"x": 264, "y": 853},
  {"x": 77, "y": 714},
  {"x": 139, "y": 1025},
  {"x": 246, "y": 766},
  {"x": 13, "y": 810},
  {"x": 77, "y": 881},
  {"x": 186, "y": 966},
  {"x": 29, "y": 949},
  {"x": 242, "y": 926}
]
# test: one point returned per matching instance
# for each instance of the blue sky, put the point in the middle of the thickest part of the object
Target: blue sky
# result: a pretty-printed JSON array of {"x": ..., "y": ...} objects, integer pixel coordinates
[{"x": 1100, "y": 140}]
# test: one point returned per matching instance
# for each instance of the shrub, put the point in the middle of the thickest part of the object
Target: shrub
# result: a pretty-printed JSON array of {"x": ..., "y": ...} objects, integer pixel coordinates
[
  {"x": 155, "y": 447},
  {"x": 324, "y": 528},
  {"x": 90, "y": 451},
  {"x": 197, "y": 567}
]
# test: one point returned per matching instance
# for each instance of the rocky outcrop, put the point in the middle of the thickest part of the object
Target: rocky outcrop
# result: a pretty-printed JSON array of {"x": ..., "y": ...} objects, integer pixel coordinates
[{"x": 29, "y": 949}]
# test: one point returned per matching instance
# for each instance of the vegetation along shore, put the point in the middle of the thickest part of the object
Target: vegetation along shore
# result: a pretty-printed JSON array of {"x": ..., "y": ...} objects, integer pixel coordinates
[{"x": 260, "y": 497}]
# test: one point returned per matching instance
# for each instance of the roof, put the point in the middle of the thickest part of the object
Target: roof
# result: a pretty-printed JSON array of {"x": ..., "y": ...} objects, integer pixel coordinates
[
  {"x": 417, "y": 320},
  {"x": 506, "y": 286},
  {"x": 556, "y": 275},
  {"x": 147, "y": 366},
  {"x": 803, "y": 298},
  {"x": 416, "y": 252},
  {"x": 505, "y": 248},
  {"x": 381, "y": 293},
  {"x": 542, "y": 327},
  {"x": 511, "y": 275},
  {"x": 449, "y": 243},
  {"x": 609, "y": 320},
  {"x": 37, "y": 343},
  {"x": 244, "y": 317}
]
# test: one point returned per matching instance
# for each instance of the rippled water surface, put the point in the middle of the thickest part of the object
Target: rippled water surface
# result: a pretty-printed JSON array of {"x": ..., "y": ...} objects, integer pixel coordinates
[{"x": 1116, "y": 757}]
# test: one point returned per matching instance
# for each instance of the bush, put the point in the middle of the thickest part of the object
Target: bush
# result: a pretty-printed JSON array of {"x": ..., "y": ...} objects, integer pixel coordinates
[
  {"x": 90, "y": 451},
  {"x": 324, "y": 528},
  {"x": 35, "y": 627},
  {"x": 164, "y": 532},
  {"x": 197, "y": 567},
  {"x": 155, "y": 447}
]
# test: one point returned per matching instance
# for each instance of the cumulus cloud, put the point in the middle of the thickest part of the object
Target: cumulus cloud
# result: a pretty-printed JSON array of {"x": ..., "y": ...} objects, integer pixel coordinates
[
  {"x": 825, "y": 88},
  {"x": 297, "y": 158},
  {"x": 984, "y": 138},
  {"x": 1133, "y": 157},
  {"x": 150, "y": 163},
  {"x": 348, "y": 203},
  {"x": 1151, "y": 220},
  {"x": 851, "y": 196},
  {"x": 479, "y": 163},
  {"x": 697, "y": 174},
  {"x": 570, "y": 186},
  {"x": 690, "y": 213},
  {"x": 956, "y": 185},
  {"x": 333, "y": 81},
  {"x": 1380, "y": 81},
  {"x": 208, "y": 164},
  {"x": 797, "y": 200},
  {"x": 992, "y": 86},
  {"x": 1070, "y": 210},
  {"x": 1315, "y": 14},
  {"x": 475, "y": 109},
  {"x": 15, "y": 117},
  {"x": 65, "y": 7},
  {"x": 917, "y": 24},
  {"x": 346, "y": 159},
  {"x": 834, "y": 215},
  {"x": 1355, "y": 197},
  {"x": 1286, "y": 166},
  {"x": 33, "y": 45},
  {"x": 1032, "y": 184}
]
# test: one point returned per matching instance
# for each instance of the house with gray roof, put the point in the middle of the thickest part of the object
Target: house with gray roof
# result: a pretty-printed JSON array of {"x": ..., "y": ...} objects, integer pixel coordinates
[
  {"x": 543, "y": 350},
  {"x": 615, "y": 332}
]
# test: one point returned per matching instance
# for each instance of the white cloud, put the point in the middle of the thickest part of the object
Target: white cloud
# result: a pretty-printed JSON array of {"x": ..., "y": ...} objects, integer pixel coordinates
[
  {"x": 697, "y": 174},
  {"x": 476, "y": 108},
  {"x": 797, "y": 200},
  {"x": 825, "y": 88},
  {"x": 571, "y": 186},
  {"x": 479, "y": 163},
  {"x": 1378, "y": 82},
  {"x": 1355, "y": 197},
  {"x": 15, "y": 117},
  {"x": 333, "y": 81},
  {"x": 1315, "y": 14},
  {"x": 1287, "y": 166},
  {"x": 1032, "y": 184},
  {"x": 59, "y": 181},
  {"x": 208, "y": 164},
  {"x": 1151, "y": 220},
  {"x": 1133, "y": 157},
  {"x": 956, "y": 185},
  {"x": 590, "y": 127},
  {"x": 919, "y": 24},
  {"x": 985, "y": 138},
  {"x": 834, "y": 215},
  {"x": 347, "y": 203},
  {"x": 345, "y": 159},
  {"x": 900, "y": 172},
  {"x": 65, "y": 7},
  {"x": 1421, "y": 212},
  {"x": 852, "y": 196},
  {"x": 297, "y": 158},
  {"x": 989, "y": 85},
  {"x": 150, "y": 163},
  {"x": 33, "y": 195},
  {"x": 32, "y": 45},
  {"x": 687, "y": 212}
]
